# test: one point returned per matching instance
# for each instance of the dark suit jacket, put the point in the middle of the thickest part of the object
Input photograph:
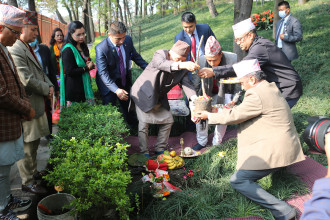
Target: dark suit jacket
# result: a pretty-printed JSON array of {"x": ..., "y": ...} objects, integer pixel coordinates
[
  {"x": 274, "y": 63},
  {"x": 292, "y": 34},
  {"x": 151, "y": 87},
  {"x": 47, "y": 65},
  {"x": 107, "y": 62},
  {"x": 202, "y": 29}
]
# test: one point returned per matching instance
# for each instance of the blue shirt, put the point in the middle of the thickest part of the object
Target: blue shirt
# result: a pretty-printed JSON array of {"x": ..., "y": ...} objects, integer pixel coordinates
[
  {"x": 197, "y": 42},
  {"x": 318, "y": 207},
  {"x": 36, "y": 51},
  {"x": 279, "y": 40},
  {"x": 122, "y": 49}
]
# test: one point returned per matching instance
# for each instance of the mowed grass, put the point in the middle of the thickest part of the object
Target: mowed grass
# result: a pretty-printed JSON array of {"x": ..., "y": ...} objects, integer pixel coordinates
[{"x": 208, "y": 194}]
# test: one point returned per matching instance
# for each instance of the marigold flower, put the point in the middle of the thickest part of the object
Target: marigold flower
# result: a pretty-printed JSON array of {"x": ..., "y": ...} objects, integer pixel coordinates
[
  {"x": 166, "y": 176},
  {"x": 263, "y": 19},
  {"x": 166, "y": 193}
]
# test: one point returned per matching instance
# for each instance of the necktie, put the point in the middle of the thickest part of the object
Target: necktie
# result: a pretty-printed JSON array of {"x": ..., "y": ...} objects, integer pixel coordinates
[
  {"x": 193, "y": 47},
  {"x": 279, "y": 31},
  {"x": 122, "y": 67}
]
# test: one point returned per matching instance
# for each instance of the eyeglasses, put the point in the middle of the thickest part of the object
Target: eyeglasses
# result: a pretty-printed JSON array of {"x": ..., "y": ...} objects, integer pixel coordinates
[
  {"x": 241, "y": 38},
  {"x": 18, "y": 34},
  {"x": 80, "y": 35}
]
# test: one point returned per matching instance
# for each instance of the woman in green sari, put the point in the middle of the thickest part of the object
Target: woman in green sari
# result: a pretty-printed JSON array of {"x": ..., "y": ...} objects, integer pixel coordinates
[{"x": 75, "y": 66}]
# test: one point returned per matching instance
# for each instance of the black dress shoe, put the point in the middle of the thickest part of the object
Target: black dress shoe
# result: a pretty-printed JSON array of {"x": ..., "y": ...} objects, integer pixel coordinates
[
  {"x": 39, "y": 174},
  {"x": 18, "y": 205},
  {"x": 198, "y": 147},
  {"x": 34, "y": 188}
]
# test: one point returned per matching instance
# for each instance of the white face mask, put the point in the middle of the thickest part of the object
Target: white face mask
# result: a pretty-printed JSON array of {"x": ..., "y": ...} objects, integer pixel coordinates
[{"x": 282, "y": 14}]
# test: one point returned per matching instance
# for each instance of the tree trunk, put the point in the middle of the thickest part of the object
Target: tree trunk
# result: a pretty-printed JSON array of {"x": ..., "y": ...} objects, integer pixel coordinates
[
  {"x": 242, "y": 11},
  {"x": 125, "y": 12},
  {"x": 31, "y": 5},
  {"x": 85, "y": 19},
  {"x": 69, "y": 10},
  {"x": 108, "y": 21},
  {"x": 276, "y": 17},
  {"x": 99, "y": 16},
  {"x": 13, "y": 3},
  {"x": 75, "y": 14},
  {"x": 91, "y": 23},
  {"x": 141, "y": 7},
  {"x": 145, "y": 4},
  {"x": 120, "y": 12},
  {"x": 301, "y": 2},
  {"x": 212, "y": 8},
  {"x": 117, "y": 10},
  {"x": 136, "y": 8},
  {"x": 129, "y": 17},
  {"x": 151, "y": 6},
  {"x": 59, "y": 16}
]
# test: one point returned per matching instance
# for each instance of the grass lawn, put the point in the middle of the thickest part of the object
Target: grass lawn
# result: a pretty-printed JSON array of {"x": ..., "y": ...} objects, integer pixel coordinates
[{"x": 208, "y": 193}]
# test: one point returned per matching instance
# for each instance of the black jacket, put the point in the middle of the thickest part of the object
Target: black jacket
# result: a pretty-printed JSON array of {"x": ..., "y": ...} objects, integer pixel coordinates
[
  {"x": 274, "y": 63},
  {"x": 74, "y": 86},
  {"x": 47, "y": 65}
]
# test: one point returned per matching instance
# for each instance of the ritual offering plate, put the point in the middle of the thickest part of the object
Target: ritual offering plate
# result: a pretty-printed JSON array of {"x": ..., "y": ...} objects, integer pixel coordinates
[
  {"x": 203, "y": 103},
  {"x": 230, "y": 80},
  {"x": 189, "y": 152}
]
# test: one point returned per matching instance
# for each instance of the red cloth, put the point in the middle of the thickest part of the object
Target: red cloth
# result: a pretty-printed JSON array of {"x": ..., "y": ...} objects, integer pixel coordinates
[
  {"x": 56, "y": 116},
  {"x": 153, "y": 165},
  {"x": 175, "y": 93},
  {"x": 193, "y": 47},
  {"x": 92, "y": 73}
]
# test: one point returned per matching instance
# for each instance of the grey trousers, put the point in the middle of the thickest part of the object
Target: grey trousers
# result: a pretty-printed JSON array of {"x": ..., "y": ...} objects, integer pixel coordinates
[
  {"x": 28, "y": 165},
  {"x": 4, "y": 186},
  {"x": 244, "y": 181},
  {"x": 162, "y": 138}
]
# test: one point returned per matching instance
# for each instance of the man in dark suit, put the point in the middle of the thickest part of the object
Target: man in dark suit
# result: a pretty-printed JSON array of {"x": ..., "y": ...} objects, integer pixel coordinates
[
  {"x": 288, "y": 31},
  {"x": 273, "y": 62},
  {"x": 166, "y": 70},
  {"x": 43, "y": 54},
  {"x": 113, "y": 61},
  {"x": 191, "y": 34}
]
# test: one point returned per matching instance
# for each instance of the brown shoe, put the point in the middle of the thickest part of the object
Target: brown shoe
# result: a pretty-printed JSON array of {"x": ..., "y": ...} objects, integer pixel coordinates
[{"x": 34, "y": 188}]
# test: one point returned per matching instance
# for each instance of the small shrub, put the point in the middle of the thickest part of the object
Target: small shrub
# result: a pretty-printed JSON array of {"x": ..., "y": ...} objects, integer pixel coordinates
[{"x": 89, "y": 158}]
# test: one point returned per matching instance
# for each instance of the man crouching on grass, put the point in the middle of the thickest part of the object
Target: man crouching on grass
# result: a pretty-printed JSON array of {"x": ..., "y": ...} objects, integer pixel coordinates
[{"x": 267, "y": 137}]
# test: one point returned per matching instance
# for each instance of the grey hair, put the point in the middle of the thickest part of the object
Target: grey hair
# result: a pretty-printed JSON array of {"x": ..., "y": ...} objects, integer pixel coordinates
[
  {"x": 259, "y": 75},
  {"x": 117, "y": 27}
]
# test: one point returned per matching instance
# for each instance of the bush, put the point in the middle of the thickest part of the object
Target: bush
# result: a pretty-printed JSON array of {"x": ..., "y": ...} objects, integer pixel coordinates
[{"x": 89, "y": 158}]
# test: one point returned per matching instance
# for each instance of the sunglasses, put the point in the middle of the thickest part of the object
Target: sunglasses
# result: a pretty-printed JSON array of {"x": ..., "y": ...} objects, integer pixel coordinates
[{"x": 18, "y": 34}]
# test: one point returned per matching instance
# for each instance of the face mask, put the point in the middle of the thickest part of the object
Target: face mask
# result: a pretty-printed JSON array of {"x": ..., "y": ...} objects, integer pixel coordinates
[
  {"x": 34, "y": 43},
  {"x": 282, "y": 14}
]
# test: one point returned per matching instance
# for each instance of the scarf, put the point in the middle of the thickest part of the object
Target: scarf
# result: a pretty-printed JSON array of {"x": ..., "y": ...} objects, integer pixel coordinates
[
  {"x": 57, "y": 50},
  {"x": 85, "y": 77}
]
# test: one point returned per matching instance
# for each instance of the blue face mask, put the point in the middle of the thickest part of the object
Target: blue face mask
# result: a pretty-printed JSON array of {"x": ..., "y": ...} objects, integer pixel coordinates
[
  {"x": 34, "y": 43},
  {"x": 282, "y": 14}
]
